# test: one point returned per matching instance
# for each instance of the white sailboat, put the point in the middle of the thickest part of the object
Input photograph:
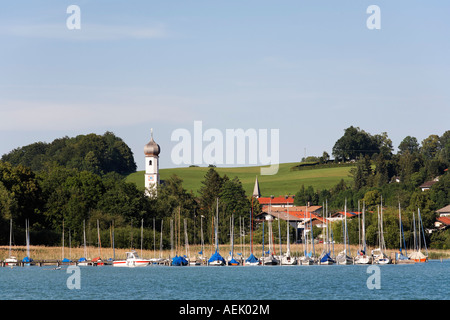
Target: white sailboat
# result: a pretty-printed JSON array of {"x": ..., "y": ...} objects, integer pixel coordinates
[
  {"x": 417, "y": 254},
  {"x": 83, "y": 260},
  {"x": 362, "y": 257},
  {"x": 379, "y": 256},
  {"x": 11, "y": 260},
  {"x": 287, "y": 259},
  {"x": 343, "y": 257},
  {"x": 307, "y": 259},
  {"x": 270, "y": 259}
]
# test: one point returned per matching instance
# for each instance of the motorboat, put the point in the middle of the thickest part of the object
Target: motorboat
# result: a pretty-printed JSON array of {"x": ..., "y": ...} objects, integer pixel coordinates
[
  {"x": 132, "y": 260},
  {"x": 10, "y": 261}
]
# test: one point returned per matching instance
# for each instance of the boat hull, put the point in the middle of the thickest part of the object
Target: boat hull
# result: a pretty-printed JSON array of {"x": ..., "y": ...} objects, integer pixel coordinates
[
  {"x": 383, "y": 261},
  {"x": 216, "y": 263},
  {"x": 131, "y": 263},
  {"x": 306, "y": 262},
  {"x": 288, "y": 261},
  {"x": 363, "y": 260}
]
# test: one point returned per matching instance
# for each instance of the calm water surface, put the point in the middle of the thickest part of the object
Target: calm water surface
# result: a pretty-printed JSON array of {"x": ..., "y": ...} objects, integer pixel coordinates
[{"x": 428, "y": 281}]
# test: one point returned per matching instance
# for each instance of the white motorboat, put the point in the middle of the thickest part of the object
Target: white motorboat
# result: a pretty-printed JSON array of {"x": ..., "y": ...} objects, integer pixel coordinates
[
  {"x": 132, "y": 260},
  {"x": 10, "y": 261}
]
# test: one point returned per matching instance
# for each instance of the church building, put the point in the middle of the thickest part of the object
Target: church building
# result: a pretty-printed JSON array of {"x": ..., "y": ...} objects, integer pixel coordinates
[{"x": 151, "y": 151}]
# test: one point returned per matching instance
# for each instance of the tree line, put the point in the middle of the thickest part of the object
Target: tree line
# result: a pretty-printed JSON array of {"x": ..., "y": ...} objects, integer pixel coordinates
[
  {"x": 93, "y": 189},
  {"x": 381, "y": 176}
]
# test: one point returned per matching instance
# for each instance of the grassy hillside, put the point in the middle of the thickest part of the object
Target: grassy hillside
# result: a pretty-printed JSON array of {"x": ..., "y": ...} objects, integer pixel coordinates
[{"x": 284, "y": 182}]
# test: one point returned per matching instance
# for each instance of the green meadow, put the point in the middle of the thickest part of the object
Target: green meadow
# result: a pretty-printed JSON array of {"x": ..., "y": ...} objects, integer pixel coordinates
[{"x": 285, "y": 182}]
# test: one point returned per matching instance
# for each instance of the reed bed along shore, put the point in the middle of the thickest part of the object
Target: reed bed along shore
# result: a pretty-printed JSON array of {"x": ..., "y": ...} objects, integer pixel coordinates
[{"x": 192, "y": 251}]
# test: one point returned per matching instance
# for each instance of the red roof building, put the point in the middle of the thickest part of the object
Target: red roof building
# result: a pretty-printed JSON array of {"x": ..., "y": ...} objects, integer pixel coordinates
[{"x": 280, "y": 201}]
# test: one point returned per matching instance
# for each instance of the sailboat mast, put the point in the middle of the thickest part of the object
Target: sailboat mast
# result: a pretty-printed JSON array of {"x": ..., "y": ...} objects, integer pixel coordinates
[
  {"x": 142, "y": 234},
  {"x": 63, "y": 242},
  {"x": 27, "y": 232},
  {"x": 10, "y": 236},
  {"x": 84, "y": 238},
  {"x": 423, "y": 233},
  {"x": 326, "y": 220},
  {"x": 364, "y": 226},
  {"x": 359, "y": 228},
  {"x": 99, "y": 241},
  {"x": 345, "y": 227},
  {"x": 160, "y": 240},
  {"x": 400, "y": 226},
  {"x": 414, "y": 228},
  {"x": 217, "y": 223}
]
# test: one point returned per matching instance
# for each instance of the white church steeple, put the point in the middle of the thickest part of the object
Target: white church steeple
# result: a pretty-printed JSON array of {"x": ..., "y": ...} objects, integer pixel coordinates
[{"x": 151, "y": 151}]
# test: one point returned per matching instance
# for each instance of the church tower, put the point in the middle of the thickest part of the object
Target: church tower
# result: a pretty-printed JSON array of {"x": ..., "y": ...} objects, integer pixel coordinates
[{"x": 151, "y": 151}]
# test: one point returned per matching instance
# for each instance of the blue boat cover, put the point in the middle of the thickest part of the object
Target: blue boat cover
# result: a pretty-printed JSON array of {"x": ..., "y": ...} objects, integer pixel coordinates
[
  {"x": 179, "y": 261},
  {"x": 82, "y": 260},
  {"x": 401, "y": 256},
  {"x": 326, "y": 257},
  {"x": 233, "y": 262},
  {"x": 252, "y": 258},
  {"x": 66, "y": 260},
  {"x": 216, "y": 257},
  {"x": 27, "y": 259}
]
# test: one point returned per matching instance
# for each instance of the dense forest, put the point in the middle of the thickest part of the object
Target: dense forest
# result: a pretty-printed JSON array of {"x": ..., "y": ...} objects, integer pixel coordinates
[{"x": 81, "y": 181}]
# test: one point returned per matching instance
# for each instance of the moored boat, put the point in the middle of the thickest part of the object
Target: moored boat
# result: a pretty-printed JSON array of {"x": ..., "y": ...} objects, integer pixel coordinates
[
  {"x": 343, "y": 258},
  {"x": 326, "y": 259},
  {"x": 132, "y": 260}
]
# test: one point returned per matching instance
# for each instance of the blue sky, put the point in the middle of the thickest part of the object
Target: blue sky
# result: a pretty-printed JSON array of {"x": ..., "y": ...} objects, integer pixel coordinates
[{"x": 308, "y": 68}]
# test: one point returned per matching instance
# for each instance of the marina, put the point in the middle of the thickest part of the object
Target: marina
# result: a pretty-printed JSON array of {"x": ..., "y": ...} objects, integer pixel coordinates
[{"x": 424, "y": 281}]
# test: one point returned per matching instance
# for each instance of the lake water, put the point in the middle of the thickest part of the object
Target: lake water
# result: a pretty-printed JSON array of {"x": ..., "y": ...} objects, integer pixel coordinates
[{"x": 429, "y": 281}]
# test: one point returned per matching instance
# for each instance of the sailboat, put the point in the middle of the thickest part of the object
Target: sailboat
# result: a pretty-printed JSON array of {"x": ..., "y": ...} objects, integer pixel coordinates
[
  {"x": 178, "y": 260},
  {"x": 325, "y": 258},
  {"x": 307, "y": 258},
  {"x": 287, "y": 259},
  {"x": 417, "y": 254},
  {"x": 362, "y": 257},
  {"x": 83, "y": 260},
  {"x": 97, "y": 261},
  {"x": 379, "y": 257},
  {"x": 270, "y": 259},
  {"x": 27, "y": 260},
  {"x": 343, "y": 257},
  {"x": 159, "y": 260},
  {"x": 251, "y": 260},
  {"x": 216, "y": 259},
  {"x": 400, "y": 258},
  {"x": 231, "y": 261},
  {"x": 11, "y": 260}
]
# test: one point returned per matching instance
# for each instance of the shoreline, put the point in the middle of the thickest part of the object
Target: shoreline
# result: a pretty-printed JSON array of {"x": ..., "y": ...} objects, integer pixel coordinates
[{"x": 56, "y": 253}]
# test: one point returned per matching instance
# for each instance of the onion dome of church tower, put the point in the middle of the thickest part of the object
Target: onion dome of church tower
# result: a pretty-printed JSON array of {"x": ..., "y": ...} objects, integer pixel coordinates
[{"x": 152, "y": 148}]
